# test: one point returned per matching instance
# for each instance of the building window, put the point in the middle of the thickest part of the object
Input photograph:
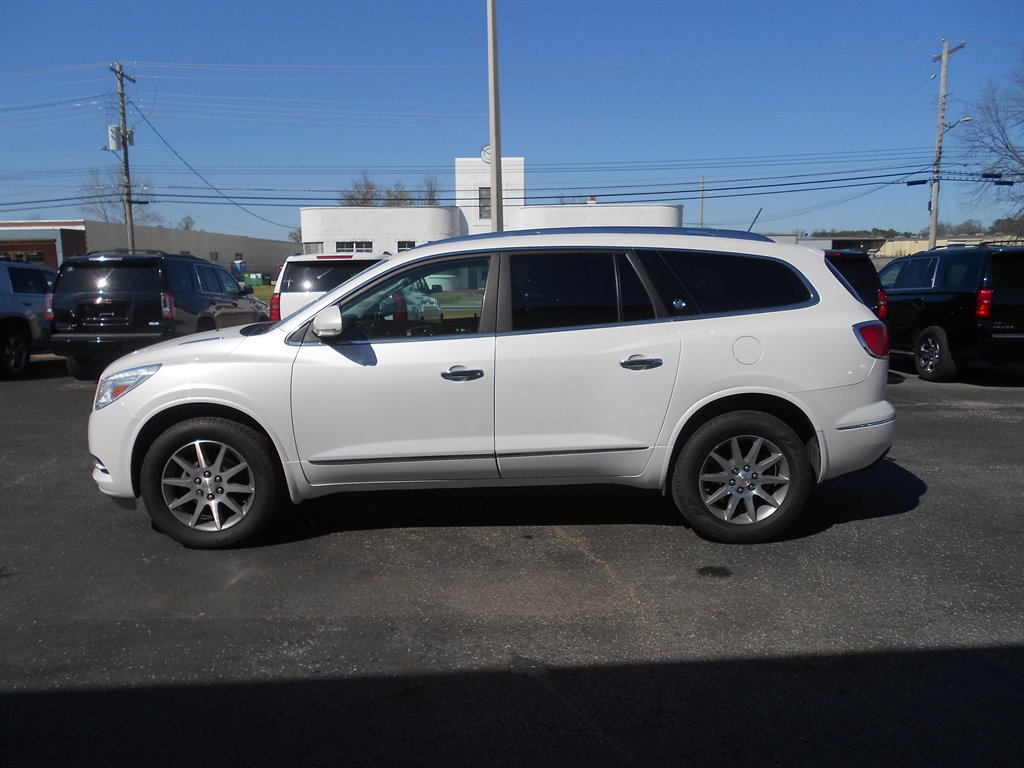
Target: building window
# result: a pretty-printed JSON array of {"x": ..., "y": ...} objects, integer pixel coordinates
[
  {"x": 485, "y": 202},
  {"x": 186, "y": 253},
  {"x": 29, "y": 257},
  {"x": 313, "y": 247},
  {"x": 214, "y": 256},
  {"x": 354, "y": 246},
  {"x": 406, "y": 245}
]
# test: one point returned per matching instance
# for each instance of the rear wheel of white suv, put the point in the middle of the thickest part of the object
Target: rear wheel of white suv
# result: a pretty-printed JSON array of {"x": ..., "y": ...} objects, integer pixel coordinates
[
  {"x": 211, "y": 482},
  {"x": 742, "y": 478}
]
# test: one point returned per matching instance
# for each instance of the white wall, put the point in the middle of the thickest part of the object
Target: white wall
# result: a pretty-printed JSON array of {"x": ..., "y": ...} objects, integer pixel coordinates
[
  {"x": 471, "y": 173},
  {"x": 384, "y": 227}
]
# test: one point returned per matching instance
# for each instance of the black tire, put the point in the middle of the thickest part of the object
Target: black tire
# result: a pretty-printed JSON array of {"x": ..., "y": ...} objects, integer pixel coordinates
[
  {"x": 211, "y": 483},
  {"x": 933, "y": 359},
  {"x": 15, "y": 352},
  {"x": 742, "y": 478},
  {"x": 84, "y": 368}
]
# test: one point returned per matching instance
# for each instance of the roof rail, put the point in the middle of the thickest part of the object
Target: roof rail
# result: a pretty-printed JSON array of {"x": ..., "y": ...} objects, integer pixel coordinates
[{"x": 621, "y": 230}]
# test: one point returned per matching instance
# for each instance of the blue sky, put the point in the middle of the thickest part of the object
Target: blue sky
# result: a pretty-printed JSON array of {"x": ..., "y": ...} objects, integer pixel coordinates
[{"x": 239, "y": 105}]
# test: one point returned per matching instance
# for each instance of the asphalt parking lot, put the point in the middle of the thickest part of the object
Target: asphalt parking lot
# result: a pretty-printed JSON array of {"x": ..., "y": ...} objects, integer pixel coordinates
[{"x": 582, "y": 626}]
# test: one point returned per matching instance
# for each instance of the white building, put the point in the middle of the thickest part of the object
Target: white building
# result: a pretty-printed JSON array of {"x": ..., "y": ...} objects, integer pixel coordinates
[{"x": 368, "y": 229}]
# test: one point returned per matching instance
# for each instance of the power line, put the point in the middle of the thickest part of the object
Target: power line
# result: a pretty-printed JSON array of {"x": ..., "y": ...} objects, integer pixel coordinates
[{"x": 200, "y": 176}]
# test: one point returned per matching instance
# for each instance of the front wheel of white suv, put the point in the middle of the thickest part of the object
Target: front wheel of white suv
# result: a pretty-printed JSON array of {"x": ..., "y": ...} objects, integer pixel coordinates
[
  {"x": 210, "y": 483},
  {"x": 742, "y": 478}
]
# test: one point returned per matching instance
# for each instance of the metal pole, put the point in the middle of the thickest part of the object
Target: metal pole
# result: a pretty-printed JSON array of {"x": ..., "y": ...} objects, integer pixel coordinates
[
  {"x": 937, "y": 166},
  {"x": 126, "y": 178},
  {"x": 497, "y": 205}
]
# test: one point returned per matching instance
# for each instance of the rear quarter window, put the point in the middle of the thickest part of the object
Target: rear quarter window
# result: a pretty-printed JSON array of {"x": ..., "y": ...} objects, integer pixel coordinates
[
  {"x": 696, "y": 282},
  {"x": 1006, "y": 277},
  {"x": 960, "y": 272},
  {"x": 25, "y": 280}
]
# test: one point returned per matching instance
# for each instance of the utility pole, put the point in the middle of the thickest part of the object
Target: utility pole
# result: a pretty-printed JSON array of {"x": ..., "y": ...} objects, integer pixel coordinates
[
  {"x": 497, "y": 205},
  {"x": 702, "y": 202},
  {"x": 126, "y": 178},
  {"x": 934, "y": 207}
]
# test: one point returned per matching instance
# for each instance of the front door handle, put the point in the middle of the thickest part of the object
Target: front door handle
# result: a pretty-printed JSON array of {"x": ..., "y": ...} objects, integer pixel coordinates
[
  {"x": 641, "y": 363},
  {"x": 458, "y": 373}
]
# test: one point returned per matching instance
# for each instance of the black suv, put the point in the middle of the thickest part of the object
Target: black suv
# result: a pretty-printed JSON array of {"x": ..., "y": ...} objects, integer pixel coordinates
[
  {"x": 954, "y": 305},
  {"x": 105, "y": 305}
]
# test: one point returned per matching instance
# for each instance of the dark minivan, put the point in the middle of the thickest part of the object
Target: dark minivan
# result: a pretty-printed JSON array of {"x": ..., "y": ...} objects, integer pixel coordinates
[
  {"x": 956, "y": 305},
  {"x": 105, "y": 305}
]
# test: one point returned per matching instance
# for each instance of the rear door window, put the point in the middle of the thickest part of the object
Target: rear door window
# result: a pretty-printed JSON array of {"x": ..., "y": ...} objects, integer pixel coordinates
[
  {"x": 208, "y": 282},
  {"x": 573, "y": 289},
  {"x": 919, "y": 273}
]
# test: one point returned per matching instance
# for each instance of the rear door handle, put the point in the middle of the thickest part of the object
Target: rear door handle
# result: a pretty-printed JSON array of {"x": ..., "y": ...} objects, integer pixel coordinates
[
  {"x": 641, "y": 363},
  {"x": 458, "y": 373}
]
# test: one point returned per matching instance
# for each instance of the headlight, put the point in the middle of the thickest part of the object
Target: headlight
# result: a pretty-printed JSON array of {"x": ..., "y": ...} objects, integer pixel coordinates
[{"x": 116, "y": 385}]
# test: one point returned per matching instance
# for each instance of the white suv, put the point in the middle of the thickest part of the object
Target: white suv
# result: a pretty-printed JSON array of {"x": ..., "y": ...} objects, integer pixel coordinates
[
  {"x": 724, "y": 368},
  {"x": 306, "y": 277}
]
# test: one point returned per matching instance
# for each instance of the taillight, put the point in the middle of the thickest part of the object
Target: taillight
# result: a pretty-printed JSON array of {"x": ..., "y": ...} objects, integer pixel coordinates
[
  {"x": 883, "y": 304},
  {"x": 49, "y": 307},
  {"x": 275, "y": 307},
  {"x": 166, "y": 306},
  {"x": 874, "y": 337},
  {"x": 983, "y": 304}
]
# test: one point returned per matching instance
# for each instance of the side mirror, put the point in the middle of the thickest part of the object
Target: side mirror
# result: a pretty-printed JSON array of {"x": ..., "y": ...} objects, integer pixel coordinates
[
  {"x": 327, "y": 325},
  {"x": 246, "y": 289}
]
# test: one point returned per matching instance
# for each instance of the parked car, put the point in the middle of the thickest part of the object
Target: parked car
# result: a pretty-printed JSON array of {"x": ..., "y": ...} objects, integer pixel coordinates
[
  {"x": 859, "y": 271},
  {"x": 952, "y": 306},
  {"x": 23, "y": 324},
  {"x": 306, "y": 277},
  {"x": 730, "y": 371},
  {"x": 105, "y": 305}
]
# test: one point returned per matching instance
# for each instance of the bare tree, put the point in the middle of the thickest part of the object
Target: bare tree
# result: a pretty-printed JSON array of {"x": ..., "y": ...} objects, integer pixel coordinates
[
  {"x": 103, "y": 199},
  {"x": 363, "y": 192},
  {"x": 187, "y": 223},
  {"x": 995, "y": 139},
  {"x": 295, "y": 236},
  {"x": 429, "y": 192},
  {"x": 397, "y": 196}
]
